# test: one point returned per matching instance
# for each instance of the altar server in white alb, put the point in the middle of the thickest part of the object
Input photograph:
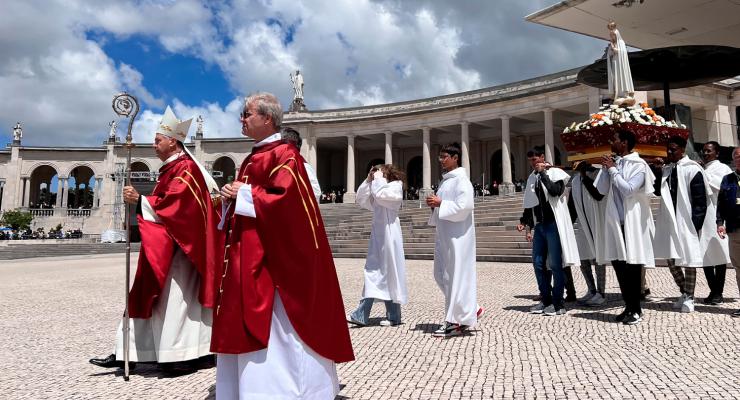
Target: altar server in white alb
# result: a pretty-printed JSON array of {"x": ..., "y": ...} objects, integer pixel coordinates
[
  {"x": 385, "y": 267},
  {"x": 683, "y": 206},
  {"x": 627, "y": 182},
  {"x": 553, "y": 239},
  {"x": 716, "y": 249},
  {"x": 588, "y": 210},
  {"x": 454, "y": 247}
]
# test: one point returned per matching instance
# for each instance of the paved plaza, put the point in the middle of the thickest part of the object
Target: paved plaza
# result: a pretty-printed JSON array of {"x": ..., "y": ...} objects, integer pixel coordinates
[{"x": 57, "y": 313}]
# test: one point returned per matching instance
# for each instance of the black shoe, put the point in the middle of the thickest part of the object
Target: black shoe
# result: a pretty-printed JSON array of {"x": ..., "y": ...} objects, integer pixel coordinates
[
  {"x": 632, "y": 319},
  {"x": 110, "y": 362},
  {"x": 571, "y": 298},
  {"x": 717, "y": 300},
  {"x": 709, "y": 299},
  {"x": 736, "y": 314},
  {"x": 621, "y": 317}
]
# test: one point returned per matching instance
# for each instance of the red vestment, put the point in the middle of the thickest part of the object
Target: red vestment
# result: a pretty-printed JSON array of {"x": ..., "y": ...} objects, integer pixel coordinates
[
  {"x": 188, "y": 220},
  {"x": 283, "y": 249}
]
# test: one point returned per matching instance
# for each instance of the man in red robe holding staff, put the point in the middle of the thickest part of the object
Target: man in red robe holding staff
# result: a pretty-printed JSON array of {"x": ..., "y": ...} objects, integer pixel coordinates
[
  {"x": 278, "y": 297},
  {"x": 173, "y": 291}
]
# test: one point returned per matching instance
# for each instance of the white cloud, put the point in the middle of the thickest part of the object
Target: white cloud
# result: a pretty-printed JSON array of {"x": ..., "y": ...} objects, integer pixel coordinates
[
  {"x": 217, "y": 121},
  {"x": 132, "y": 80},
  {"x": 352, "y": 52}
]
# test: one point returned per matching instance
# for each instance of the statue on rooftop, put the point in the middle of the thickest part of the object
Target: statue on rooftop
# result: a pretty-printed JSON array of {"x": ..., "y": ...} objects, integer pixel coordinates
[
  {"x": 621, "y": 87},
  {"x": 113, "y": 130},
  {"x": 17, "y": 132}
]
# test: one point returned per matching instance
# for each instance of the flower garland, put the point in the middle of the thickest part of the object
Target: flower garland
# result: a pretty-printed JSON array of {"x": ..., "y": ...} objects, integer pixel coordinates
[{"x": 610, "y": 114}]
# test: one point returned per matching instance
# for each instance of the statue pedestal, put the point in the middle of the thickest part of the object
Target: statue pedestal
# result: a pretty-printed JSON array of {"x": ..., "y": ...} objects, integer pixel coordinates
[
  {"x": 297, "y": 105},
  {"x": 349, "y": 198},
  {"x": 506, "y": 188}
]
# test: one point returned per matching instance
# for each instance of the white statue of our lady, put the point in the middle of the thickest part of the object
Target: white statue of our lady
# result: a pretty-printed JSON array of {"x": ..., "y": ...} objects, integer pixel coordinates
[{"x": 618, "y": 68}]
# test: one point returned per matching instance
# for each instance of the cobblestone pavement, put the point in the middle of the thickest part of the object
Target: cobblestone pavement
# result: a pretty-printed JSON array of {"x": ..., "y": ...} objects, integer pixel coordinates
[{"x": 57, "y": 313}]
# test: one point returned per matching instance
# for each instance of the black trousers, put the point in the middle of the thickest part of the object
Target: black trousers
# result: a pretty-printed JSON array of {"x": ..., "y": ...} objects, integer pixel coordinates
[
  {"x": 629, "y": 276},
  {"x": 716, "y": 279}
]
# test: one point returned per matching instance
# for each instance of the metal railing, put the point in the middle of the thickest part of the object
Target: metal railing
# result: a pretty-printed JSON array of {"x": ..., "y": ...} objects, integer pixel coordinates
[
  {"x": 42, "y": 212},
  {"x": 78, "y": 212}
]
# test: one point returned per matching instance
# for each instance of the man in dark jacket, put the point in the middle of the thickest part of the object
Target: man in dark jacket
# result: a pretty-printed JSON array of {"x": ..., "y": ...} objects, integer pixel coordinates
[{"x": 728, "y": 214}]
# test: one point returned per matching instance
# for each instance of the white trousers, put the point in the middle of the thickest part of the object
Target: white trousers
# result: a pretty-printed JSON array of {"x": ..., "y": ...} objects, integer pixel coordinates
[
  {"x": 286, "y": 369},
  {"x": 179, "y": 329}
]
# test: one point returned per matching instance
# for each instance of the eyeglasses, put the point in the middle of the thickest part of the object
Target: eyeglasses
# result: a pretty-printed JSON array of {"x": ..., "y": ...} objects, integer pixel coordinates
[
  {"x": 443, "y": 157},
  {"x": 245, "y": 115}
]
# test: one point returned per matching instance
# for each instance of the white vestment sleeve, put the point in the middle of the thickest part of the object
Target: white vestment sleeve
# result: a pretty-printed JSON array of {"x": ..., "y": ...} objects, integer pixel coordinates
[
  {"x": 364, "y": 198},
  {"x": 459, "y": 209},
  {"x": 314, "y": 181},
  {"x": 627, "y": 188},
  {"x": 244, "y": 203},
  {"x": 388, "y": 195},
  {"x": 147, "y": 212}
]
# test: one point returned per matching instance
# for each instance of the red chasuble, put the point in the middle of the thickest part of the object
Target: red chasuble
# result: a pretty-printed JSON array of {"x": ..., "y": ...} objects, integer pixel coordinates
[
  {"x": 284, "y": 250},
  {"x": 188, "y": 220}
]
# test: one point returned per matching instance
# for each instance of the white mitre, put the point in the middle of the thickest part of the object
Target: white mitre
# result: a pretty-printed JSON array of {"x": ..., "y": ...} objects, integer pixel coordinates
[{"x": 173, "y": 127}]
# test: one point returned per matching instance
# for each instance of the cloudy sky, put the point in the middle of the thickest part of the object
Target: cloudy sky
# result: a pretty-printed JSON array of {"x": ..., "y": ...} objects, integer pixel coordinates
[{"x": 63, "y": 60}]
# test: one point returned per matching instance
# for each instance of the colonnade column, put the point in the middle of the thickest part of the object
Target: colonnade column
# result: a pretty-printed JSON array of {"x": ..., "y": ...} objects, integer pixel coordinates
[
  {"x": 506, "y": 185},
  {"x": 65, "y": 196},
  {"x": 312, "y": 153},
  {"x": 549, "y": 139},
  {"x": 426, "y": 163},
  {"x": 96, "y": 193},
  {"x": 349, "y": 196},
  {"x": 26, "y": 191},
  {"x": 58, "y": 202},
  {"x": 388, "y": 147},
  {"x": 465, "y": 146}
]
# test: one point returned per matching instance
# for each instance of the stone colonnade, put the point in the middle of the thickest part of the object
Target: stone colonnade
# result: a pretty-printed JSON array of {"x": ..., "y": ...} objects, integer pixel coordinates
[{"x": 506, "y": 186}]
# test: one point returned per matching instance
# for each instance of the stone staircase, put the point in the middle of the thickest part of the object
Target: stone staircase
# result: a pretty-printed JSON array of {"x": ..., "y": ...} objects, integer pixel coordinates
[
  {"x": 348, "y": 228},
  {"x": 18, "y": 249}
]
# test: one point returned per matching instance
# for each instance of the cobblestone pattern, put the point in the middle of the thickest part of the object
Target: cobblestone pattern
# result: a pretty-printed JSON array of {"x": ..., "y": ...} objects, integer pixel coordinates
[{"x": 56, "y": 314}]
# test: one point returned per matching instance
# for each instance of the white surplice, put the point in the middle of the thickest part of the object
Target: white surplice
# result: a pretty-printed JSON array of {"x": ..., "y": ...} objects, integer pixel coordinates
[
  {"x": 454, "y": 247},
  {"x": 590, "y": 237},
  {"x": 676, "y": 236},
  {"x": 559, "y": 205},
  {"x": 716, "y": 251},
  {"x": 179, "y": 329},
  {"x": 385, "y": 267},
  {"x": 286, "y": 369},
  {"x": 635, "y": 245}
]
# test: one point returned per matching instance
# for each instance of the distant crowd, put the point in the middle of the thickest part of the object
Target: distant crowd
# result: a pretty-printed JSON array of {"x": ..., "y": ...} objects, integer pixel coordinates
[{"x": 40, "y": 233}]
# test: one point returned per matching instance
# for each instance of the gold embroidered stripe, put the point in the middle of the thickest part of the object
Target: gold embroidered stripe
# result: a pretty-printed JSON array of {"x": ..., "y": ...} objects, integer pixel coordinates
[
  {"x": 305, "y": 187},
  {"x": 195, "y": 181},
  {"x": 305, "y": 207},
  {"x": 200, "y": 203}
]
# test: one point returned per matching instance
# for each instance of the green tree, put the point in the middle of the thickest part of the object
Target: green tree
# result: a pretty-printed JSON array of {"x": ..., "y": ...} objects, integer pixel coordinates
[{"x": 17, "y": 219}]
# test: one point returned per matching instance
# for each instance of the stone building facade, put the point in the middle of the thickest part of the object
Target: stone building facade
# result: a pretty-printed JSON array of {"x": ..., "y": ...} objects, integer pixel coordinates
[{"x": 78, "y": 188}]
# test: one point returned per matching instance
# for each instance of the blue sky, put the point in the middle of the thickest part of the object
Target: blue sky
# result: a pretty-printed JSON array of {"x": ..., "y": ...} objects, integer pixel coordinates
[{"x": 64, "y": 60}]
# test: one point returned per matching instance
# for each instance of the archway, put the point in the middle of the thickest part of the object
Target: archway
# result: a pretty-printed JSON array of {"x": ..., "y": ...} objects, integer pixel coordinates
[
  {"x": 497, "y": 171},
  {"x": 81, "y": 188},
  {"x": 44, "y": 187},
  {"x": 414, "y": 172},
  {"x": 228, "y": 169}
]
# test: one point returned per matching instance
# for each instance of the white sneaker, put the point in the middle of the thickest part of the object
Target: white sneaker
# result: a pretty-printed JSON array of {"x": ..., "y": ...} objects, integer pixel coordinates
[
  {"x": 596, "y": 301},
  {"x": 537, "y": 308},
  {"x": 679, "y": 303},
  {"x": 688, "y": 305},
  {"x": 386, "y": 322},
  {"x": 585, "y": 299}
]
